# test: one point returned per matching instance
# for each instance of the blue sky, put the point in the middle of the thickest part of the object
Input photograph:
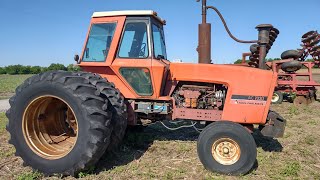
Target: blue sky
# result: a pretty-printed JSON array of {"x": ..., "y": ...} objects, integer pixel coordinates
[{"x": 40, "y": 32}]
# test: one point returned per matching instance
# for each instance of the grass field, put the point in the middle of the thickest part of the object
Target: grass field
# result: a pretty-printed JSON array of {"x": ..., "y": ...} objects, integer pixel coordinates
[
  {"x": 8, "y": 84},
  {"x": 157, "y": 153}
]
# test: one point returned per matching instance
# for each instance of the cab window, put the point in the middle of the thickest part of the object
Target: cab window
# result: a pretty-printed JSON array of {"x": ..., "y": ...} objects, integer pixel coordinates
[
  {"x": 134, "y": 41},
  {"x": 139, "y": 79},
  {"x": 159, "y": 45},
  {"x": 99, "y": 42}
]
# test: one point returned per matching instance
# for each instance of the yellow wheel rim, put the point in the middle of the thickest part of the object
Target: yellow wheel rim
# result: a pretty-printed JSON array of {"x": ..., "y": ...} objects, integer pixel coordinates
[
  {"x": 226, "y": 151},
  {"x": 50, "y": 127}
]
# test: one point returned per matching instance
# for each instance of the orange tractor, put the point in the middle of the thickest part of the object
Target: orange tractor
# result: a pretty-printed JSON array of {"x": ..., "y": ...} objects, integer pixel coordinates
[{"x": 63, "y": 122}]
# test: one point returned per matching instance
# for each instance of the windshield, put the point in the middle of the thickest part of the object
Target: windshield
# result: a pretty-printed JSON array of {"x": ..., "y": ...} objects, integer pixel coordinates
[
  {"x": 99, "y": 42},
  {"x": 159, "y": 44}
]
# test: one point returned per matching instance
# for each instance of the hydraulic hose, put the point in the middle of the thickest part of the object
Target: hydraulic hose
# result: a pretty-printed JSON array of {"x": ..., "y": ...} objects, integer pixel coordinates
[{"x": 226, "y": 27}]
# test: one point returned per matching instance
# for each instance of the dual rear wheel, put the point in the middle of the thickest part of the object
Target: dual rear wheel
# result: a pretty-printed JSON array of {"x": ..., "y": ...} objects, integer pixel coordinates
[{"x": 62, "y": 122}]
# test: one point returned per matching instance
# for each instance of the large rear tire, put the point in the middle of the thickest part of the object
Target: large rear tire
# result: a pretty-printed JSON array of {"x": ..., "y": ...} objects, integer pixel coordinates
[
  {"x": 59, "y": 123},
  {"x": 227, "y": 148},
  {"x": 117, "y": 104}
]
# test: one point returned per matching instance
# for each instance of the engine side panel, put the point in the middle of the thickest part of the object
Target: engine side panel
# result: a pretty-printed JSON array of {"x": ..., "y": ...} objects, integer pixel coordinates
[{"x": 249, "y": 90}]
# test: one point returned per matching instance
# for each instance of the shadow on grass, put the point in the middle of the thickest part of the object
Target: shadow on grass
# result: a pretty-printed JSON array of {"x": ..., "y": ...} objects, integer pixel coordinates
[
  {"x": 137, "y": 141},
  {"x": 267, "y": 143}
]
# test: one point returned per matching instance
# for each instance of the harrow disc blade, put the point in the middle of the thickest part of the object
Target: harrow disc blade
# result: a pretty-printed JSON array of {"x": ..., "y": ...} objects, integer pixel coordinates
[
  {"x": 315, "y": 42},
  {"x": 308, "y": 34},
  {"x": 310, "y": 38}
]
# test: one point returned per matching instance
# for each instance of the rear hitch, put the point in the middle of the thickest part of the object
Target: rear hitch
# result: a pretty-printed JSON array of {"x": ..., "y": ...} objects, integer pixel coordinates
[{"x": 274, "y": 127}]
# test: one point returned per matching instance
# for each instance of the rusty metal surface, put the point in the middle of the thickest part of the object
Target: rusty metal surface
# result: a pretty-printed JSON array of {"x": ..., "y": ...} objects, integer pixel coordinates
[
  {"x": 190, "y": 94},
  {"x": 289, "y": 82},
  {"x": 204, "y": 47},
  {"x": 311, "y": 46},
  {"x": 132, "y": 117},
  {"x": 204, "y": 44},
  {"x": 266, "y": 38},
  {"x": 197, "y": 114}
]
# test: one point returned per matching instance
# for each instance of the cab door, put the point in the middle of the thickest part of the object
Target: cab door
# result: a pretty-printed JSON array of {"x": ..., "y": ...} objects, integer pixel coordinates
[{"x": 133, "y": 59}]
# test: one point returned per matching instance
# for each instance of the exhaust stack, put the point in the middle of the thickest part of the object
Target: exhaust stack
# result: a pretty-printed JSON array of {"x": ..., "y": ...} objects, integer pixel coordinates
[{"x": 204, "y": 46}]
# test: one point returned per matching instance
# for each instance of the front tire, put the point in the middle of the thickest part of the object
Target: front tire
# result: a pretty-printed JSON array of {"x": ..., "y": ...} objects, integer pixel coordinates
[{"x": 227, "y": 147}]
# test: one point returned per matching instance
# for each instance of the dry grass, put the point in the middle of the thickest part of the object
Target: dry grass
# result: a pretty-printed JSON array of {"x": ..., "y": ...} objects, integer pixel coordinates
[
  {"x": 157, "y": 153},
  {"x": 8, "y": 84}
]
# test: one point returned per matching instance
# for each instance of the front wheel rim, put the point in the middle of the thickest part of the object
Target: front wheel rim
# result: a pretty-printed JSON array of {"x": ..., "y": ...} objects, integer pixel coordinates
[
  {"x": 226, "y": 151},
  {"x": 50, "y": 127}
]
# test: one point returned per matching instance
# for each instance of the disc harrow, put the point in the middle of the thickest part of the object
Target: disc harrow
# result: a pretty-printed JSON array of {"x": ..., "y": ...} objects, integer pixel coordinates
[{"x": 254, "y": 48}]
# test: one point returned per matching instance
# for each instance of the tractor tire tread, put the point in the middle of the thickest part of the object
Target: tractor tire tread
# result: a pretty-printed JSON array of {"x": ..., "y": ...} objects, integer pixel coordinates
[{"x": 100, "y": 130}]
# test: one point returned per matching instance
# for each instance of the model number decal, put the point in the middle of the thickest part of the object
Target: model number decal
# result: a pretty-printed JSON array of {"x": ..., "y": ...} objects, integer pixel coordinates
[{"x": 249, "y": 100}]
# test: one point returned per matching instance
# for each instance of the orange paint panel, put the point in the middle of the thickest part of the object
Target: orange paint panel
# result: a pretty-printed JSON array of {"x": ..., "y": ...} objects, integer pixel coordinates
[
  {"x": 158, "y": 69},
  {"x": 244, "y": 81},
  {"x": 108, "y": 73}
]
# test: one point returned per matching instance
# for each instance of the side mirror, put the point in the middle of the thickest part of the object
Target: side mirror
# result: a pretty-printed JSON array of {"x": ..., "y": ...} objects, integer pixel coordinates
[{"x": 77, "y": 58}]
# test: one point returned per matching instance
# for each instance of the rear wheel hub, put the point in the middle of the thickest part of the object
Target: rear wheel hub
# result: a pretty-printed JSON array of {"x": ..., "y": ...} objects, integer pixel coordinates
[{"x": 50, "y": 127}]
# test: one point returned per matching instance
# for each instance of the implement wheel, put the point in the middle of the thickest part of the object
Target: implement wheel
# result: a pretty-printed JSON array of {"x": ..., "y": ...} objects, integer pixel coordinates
[
  {"x": 277, "y": 97},
  {"x": 227, "y": 148},
  {"x": 290, "y": 54},
  {"x": 291, "y": 66},
  {"x": 59, "y": 122}
]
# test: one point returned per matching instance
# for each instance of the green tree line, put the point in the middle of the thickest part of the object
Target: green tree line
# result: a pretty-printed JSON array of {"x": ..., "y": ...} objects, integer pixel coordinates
[
  {"x": 20, "y": 69},
  {"x": 239, "y": 61}
]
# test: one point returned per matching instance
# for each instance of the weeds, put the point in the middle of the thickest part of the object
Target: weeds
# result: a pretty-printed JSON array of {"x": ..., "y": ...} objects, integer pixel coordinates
[
  {"x": 30, "y": 176},
  {"x": 8, "y": 84},
  {"x": 3, "y": 122},
  {"x": 291, "y": 169},
  {"x": 293, "y": 110},
  {"x": 309, "y": 140},
  {"x": 312, "y": 122}
]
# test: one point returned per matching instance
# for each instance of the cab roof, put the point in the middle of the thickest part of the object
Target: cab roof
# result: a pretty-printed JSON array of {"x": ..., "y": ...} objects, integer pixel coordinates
[{"x": 128, "y": 13}]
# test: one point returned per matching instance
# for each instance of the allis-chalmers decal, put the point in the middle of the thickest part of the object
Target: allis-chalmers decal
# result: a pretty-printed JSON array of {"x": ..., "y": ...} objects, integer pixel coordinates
[{"x": 249, "y": 100}]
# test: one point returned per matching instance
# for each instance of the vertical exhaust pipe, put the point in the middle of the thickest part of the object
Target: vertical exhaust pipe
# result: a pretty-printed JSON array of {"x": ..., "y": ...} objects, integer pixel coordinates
[
  {"x": 204, "y": 45},
  {"x": 264, "y": 30}
]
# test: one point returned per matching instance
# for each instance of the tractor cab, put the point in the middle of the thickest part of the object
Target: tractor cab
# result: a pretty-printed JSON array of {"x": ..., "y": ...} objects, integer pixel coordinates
[{"x": 130, "y": 45}]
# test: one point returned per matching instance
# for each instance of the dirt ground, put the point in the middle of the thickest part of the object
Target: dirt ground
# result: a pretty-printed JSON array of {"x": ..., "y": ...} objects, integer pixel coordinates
[{"x": 157, "y": 153}]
